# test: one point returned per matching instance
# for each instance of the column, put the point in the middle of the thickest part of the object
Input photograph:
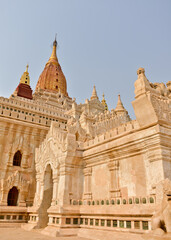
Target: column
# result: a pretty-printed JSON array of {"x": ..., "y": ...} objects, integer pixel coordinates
[
  {"x": 22, "y": 197},
  {"x": 9, "y": 141},
  {"x": 55, "y": 190},
  {"x": 4, "y": 195},
  {"x": 65, "y": 178},
  {"x": 26, "y": 147},
  {"x": 38, "y": 191}
]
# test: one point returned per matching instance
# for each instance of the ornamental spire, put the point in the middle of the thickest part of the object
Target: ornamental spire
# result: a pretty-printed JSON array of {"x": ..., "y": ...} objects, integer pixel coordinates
[
  {"x": 52, "y": 78},
  {"x": 53, "y": 58},
  {"x": 119, "y": 106},
  {"x": 94, "y": 94},
  {"x": 104, "y": 102},
  {"x": 27, "y": 66},
  {"x": 23, "y": 89},
  {"x": 25, "y": 79}
]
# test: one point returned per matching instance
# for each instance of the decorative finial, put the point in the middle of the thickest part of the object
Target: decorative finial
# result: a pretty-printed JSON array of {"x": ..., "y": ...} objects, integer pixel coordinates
[
  {"x": 25, "y": 79},
  {"x": 119, "y": 106},
  {"x": 94, "y": 94},
  {"x": 140, "y": 71},
  {"x": 104, "y": 102},
  {"x": 55, "y": 42},
  {"x": 53, "y": 58},
  {"x": 27, "y": 66}
]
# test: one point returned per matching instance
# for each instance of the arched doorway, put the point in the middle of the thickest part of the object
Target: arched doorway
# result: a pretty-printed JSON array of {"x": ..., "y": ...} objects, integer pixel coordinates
[
  {"x": 47, "y": 197},
  {"x": 12, "y": 197}
]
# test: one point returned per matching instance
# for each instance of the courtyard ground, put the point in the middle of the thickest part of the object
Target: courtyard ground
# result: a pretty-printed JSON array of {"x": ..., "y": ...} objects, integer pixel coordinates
[{"x": 21, "y": 234}]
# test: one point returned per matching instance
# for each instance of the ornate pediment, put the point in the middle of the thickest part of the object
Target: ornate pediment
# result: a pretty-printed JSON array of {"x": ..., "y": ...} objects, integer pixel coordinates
[
  {"x": 54, "y": 148},
  {"x": 18, "y": 179}
]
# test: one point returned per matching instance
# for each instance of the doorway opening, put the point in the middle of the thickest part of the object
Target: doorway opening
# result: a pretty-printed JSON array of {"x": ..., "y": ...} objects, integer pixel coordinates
[{"x": 12, "y": 197}]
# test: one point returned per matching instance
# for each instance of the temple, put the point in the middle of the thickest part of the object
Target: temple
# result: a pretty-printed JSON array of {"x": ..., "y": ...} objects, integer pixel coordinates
[{"x": 80, "y": 169}]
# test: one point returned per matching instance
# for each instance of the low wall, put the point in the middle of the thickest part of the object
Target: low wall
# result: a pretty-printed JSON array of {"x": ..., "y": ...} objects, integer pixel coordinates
[{"x": 12, "y": 214}]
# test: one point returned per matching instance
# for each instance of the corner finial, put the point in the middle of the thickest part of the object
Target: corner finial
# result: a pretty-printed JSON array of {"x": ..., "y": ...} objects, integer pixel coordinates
[
  {"x": 104, "y": 102},
  {"x": 94, "y": 93},
  {"x": 141, "y": 71},
  {"x": 119, "y": 106}
]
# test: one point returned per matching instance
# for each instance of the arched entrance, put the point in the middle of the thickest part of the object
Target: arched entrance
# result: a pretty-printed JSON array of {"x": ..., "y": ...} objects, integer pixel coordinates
[
  {"x": 47, "y": 197},
  {"x": 12, "y": 197}
]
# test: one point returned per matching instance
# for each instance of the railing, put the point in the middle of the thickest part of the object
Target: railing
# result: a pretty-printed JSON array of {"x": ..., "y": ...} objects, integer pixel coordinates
[
  {"x": 121, "y": 223},
  {"x": 115, "y": 201},
  {"x": 9, "y": 214}
]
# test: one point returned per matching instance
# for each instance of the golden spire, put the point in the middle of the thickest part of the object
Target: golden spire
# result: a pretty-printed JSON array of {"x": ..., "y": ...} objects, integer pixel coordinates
[
  {"x": 25, "y": 79},
  {"x": 27, "y": 66},
  {"x": 104, "y": 102},
  {"x": 53, "y": 58},
  {"x": 52, "y": 78},
  {"x": 94, "y": 94},
  {"x": 119, "y": 106}
]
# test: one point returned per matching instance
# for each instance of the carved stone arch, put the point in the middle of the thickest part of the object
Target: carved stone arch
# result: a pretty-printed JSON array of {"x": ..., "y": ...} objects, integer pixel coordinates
[
  {"x": 49, "y": 155},
  {"x": 48, "y": 162},
  {"x": 18, "y": 180}
]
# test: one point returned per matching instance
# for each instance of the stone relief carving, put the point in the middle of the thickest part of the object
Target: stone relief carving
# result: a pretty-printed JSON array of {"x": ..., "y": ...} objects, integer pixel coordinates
[
  {"x": 161, "y": 221},
  {"x": 74, "y": 127},
  {"x": 55, "y": 147},
  {"x": 162, "y": 107},
  {"x": 17, "y": 179}
]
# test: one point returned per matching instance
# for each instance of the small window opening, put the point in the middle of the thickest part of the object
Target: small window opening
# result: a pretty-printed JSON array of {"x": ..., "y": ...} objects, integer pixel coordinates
[{"x": 17, "y": 159}]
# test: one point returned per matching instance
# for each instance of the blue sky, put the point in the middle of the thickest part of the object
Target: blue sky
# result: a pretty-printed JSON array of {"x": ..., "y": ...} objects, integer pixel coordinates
[{"x": 101, "y": 42}]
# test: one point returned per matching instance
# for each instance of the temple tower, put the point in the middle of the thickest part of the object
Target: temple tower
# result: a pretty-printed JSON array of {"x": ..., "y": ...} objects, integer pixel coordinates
[
  {"x": 23, "y": 89},
  {"x": 52, "y": 78}
]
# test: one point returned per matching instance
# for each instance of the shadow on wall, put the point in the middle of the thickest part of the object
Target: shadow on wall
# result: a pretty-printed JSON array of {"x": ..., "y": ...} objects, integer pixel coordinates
[{"x": 47, "y": 198}]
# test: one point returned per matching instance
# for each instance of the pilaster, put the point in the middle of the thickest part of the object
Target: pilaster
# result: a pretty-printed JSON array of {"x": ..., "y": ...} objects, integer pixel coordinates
[
  {"x": 114, "y": 179},
  {"x": 87, "y": 183}
]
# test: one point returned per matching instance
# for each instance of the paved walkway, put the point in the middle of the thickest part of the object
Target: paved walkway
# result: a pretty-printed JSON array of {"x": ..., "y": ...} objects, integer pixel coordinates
[{"x": 20, "y": 234}]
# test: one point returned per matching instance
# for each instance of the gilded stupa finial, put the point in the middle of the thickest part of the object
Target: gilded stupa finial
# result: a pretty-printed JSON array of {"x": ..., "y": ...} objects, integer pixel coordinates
[
  {"x": 53, "y": 58},
  {"x": 25, "y": 79},
  {"x": 104, "y": 102},
  {"x": 27, "y": 66},
  {"x": 55, "y": 43}
]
